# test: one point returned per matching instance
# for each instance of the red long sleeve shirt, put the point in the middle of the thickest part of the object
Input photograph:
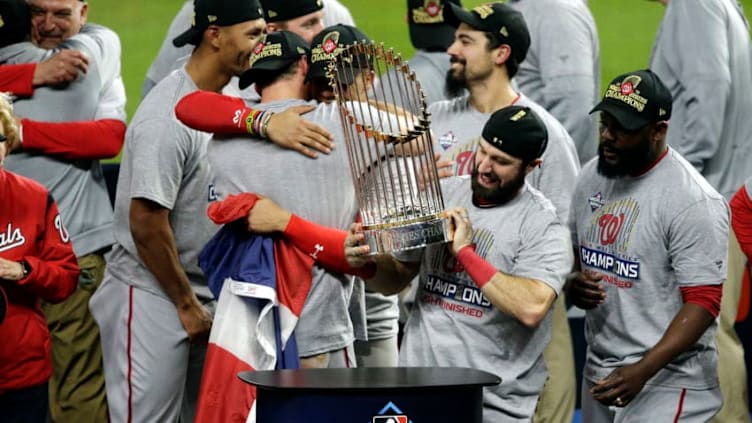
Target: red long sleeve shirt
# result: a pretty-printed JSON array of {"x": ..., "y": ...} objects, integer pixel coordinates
[
  {"x": 86, "y": 140},
  {"x": 18, "y": 79}
]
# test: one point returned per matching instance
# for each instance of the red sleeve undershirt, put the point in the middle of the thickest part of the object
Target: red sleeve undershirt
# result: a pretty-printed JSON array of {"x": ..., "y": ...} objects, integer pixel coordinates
[
  {"x": 741, "y": 220},
  {"x": 18, "y": 79},
  {"x": 324, "y": 244},
  {"x": 705, "y": 296},
  {"x": 89, "y": 140},
  {"x": 212, "y": 112}
]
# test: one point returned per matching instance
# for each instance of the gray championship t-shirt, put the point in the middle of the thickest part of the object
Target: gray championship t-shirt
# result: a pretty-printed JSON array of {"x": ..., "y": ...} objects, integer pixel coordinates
[
  {"x": 561, "y": 71},
  {"x": 649, "y": 236},
  {"x": 164, "y": 162},
  {"x": 457, "y": 128},
  {"x": 78, "y": 186},
  {"x": 453, "y": 324},
  {"x": 710, "y": 120},
  {"x": 319, "y": 190}
]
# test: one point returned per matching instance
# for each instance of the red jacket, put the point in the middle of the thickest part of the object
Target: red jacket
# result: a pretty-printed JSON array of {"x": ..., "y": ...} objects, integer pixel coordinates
[{"x": 31, "y": 230}]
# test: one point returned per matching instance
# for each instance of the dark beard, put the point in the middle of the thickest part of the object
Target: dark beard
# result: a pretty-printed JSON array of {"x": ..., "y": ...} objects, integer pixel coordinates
[
  {"x": 632, "y": 161},
  {"x": 488, "y": 197},
  {"x": 454, "y": 86}
]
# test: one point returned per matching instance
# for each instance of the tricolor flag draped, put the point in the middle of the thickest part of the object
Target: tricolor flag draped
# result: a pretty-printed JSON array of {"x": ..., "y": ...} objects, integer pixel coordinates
[{"x": 261, "y": 283}]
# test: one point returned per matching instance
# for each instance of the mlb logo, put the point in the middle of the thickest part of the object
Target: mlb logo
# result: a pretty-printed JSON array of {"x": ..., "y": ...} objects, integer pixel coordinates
[{"x": 390, "y": 419}]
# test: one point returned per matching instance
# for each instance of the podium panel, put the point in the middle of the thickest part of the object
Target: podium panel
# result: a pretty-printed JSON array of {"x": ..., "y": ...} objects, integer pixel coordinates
[{"x": 370, "y": 395}]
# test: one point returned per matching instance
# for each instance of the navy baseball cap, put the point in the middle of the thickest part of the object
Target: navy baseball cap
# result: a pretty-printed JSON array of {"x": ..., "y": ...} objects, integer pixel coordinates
[
  {"x": 15, "y": 22},
  {"x": 329, "y": 43},
  {"x": 517, "y": 131},
  {"x": 220, "y": 13},
  {"x": 428, "y": 30},
  {"x": 284, "y": 10},
  {"x": 636, "y": 99},
  {"x": 505, "y": 23},
  {"x": 273, "y": 53}
]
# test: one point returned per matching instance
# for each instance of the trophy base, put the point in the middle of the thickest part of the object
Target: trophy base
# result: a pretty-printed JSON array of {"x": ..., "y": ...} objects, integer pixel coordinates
[{"x": 402, "y": 237}]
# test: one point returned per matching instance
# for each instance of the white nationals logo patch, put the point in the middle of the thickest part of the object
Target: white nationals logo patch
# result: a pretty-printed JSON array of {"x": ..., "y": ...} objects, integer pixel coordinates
[
  {"x": 11, "y": 238},
  {"x": 447, "y": 140},
  {"x": 596, "y": 201}
]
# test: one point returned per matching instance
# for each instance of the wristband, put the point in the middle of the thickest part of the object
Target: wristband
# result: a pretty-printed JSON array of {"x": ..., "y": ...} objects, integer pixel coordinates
[
  {"x": 250, "y": 120},
  {"x": 479, "y": 270}
]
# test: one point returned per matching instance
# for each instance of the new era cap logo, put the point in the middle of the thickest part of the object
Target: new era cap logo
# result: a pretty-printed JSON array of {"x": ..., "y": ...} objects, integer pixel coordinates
[
  {"x": 517, "y": 116},
  {"x": 2, "y": 22}
]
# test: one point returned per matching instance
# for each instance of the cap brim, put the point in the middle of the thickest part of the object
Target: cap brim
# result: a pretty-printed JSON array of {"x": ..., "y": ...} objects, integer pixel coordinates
[
  {"x": 263, "y": 68},
  {"x": 626, "y": 119},
  {"x": 431, "y": 36},
  {"x": 188, "y": 37},
  {"x": 454, "y": 15}
]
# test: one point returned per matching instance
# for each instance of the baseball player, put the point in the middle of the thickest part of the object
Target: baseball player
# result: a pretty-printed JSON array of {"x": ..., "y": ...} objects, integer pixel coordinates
[
  {"x": 153, "y": 281},
  {"x": 651, "y": 236},
  {"x": 36, "y": 262},
  {"x": 561, "y": 71},
  {"x": 287, "y": 128},
  {"x": 60, "y": 147},
  {"x": 484, "y": 65},
  {"x": 485, "y": 299},
  {"x": 319, "y": 191},
  {"x": 711, "y": 129}
]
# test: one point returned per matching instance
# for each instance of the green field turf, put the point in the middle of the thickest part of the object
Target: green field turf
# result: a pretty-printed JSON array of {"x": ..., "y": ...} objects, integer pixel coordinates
[{"x": 626, "y": 27}]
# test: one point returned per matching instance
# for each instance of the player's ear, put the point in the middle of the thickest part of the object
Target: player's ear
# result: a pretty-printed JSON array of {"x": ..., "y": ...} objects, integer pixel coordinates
[
  {"x": 84, "y": 12},
  {"x": 212, "y": 35},
  {"x": 502, "y": 54},
  {"x": 532, "y": 165},
  {"x": 659, "y": 130}
]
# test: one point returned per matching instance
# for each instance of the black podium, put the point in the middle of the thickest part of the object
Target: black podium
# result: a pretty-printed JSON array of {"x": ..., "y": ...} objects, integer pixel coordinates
[{"x": 370, "y": 395}]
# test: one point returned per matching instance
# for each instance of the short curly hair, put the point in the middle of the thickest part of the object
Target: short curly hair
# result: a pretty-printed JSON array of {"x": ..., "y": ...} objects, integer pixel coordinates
[{"x": 7, "y": 120}]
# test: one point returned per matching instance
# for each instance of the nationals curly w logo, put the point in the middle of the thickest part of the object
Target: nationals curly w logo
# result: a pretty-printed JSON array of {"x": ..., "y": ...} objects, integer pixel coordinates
[{"x": 610, "y": 226}]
